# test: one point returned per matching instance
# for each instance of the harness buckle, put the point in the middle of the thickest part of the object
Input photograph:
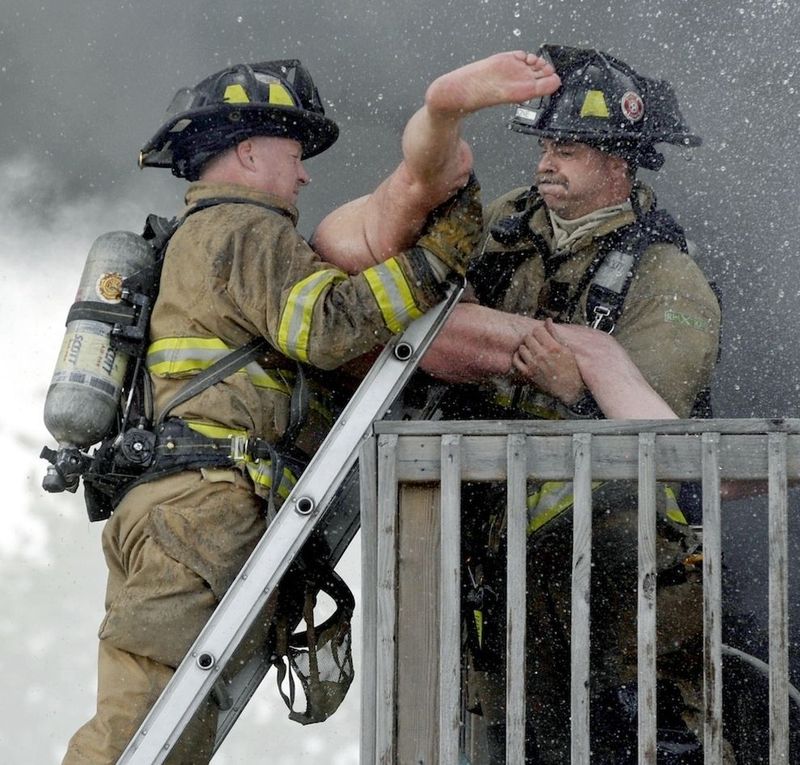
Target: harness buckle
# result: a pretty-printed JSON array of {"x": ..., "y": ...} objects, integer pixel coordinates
[
  {"x": 602, "y": 320},
  {"x": 245, "y": 447},
  {"x": 240, "y": 447}
]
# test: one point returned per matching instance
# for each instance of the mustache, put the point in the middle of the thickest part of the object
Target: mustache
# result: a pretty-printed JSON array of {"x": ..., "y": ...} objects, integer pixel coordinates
[{"x": 550, "y": 178}]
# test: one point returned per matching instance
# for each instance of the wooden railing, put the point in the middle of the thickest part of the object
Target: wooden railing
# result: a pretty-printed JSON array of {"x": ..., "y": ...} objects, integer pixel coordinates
[{"x": 411, "y": 475}]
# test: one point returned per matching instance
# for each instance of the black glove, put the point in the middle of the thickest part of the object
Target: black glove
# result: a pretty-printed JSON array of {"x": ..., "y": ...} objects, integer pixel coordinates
[{"x": 456, "y": 228}]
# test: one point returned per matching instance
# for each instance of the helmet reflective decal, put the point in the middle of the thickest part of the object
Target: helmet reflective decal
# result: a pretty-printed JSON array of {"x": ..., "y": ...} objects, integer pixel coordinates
[
  {"x": 278, "y": 94},
  {"x": 594, "y": 105},
  {"x": 236, "y": 94},
  {"x": 632, "y": 106},
  {"x": 180, "y": 125}
]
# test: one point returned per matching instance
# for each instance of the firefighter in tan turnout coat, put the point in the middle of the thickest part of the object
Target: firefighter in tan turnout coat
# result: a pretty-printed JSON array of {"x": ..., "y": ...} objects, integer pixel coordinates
[
  {"x": 586, "y": 245},
  {"x": 236, "y": 269}
]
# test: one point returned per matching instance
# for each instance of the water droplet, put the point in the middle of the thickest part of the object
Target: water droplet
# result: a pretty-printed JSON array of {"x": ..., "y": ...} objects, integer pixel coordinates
[{"x": 517, "y": 32}]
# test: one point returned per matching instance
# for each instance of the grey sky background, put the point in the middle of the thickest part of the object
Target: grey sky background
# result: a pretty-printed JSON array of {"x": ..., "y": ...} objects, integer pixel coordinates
[{"x": 84, "y": 85}]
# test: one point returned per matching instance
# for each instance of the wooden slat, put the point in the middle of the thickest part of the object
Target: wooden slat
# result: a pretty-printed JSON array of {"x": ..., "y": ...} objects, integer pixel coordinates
[
  {"x": 368, "y": 478},
  {"x": 386, "y": 600},
  {"x": 418, "y": 614},
  {"x": 747, "y": 450},
  {"x": 515, "y": 603},
  {"x": 449, "y": 599},
  {"x": 614, "y": 457},
  {"x": 581, "y": 589},
  {"x": 647, "y": 600},
  {"x": 594, "y": 427},
  {"x": 712, "y": 601},
  {"x": 778, "y": 602}
]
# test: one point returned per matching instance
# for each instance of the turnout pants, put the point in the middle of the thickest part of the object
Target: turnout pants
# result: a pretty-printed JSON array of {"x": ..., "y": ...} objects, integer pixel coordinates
[
  {"x": 613, "y": 690},
  {"x": 173, "y": 547}
]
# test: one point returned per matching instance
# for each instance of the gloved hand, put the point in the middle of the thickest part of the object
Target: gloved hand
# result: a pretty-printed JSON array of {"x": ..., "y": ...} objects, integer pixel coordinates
[{"x": 456, "y": 228}]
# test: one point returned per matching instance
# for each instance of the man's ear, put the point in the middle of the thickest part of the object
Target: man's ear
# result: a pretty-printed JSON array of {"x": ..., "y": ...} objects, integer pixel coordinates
[
  {"x": 244, "y": 153},
  {"x": 618, "y": 166}
]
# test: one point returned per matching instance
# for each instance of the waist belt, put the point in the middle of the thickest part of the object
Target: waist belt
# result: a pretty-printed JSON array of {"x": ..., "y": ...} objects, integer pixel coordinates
[
  {"x": 177, "y": 441},
  {"x": 176, "y": 447}
]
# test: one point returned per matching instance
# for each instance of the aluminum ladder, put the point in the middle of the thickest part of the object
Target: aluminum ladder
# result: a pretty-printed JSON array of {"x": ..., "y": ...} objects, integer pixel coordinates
[{"x": 321, "y": 503}]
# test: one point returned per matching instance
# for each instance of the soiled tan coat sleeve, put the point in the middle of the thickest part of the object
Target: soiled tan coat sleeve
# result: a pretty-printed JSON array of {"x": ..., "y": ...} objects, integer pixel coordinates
[{"x": 670, "y": 326}]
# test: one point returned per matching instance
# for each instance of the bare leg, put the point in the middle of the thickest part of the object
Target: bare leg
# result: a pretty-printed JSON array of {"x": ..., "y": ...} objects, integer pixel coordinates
[{"x": 436, "y": 161}]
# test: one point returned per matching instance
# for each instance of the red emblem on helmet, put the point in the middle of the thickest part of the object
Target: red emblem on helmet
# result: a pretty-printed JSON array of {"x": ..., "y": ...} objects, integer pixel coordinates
[{"x": 632, "y": 106}]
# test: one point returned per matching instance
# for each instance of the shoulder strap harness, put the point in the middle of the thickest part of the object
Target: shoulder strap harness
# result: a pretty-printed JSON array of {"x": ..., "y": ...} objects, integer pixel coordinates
[
  {"x": 608, "y": 277},
  {"x": 134, "y": 454}
]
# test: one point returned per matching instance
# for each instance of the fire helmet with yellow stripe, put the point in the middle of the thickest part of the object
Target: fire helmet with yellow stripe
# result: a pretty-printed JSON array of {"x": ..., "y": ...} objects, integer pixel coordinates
[
  {"x": 603, "y": 102},
  {"x": 273, "y": 98}
]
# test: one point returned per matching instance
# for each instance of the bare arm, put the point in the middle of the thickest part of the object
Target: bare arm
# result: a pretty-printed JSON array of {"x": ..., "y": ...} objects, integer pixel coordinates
[
  {"x": 477, "y": 343},
  {"x": 618, "y": 387}
]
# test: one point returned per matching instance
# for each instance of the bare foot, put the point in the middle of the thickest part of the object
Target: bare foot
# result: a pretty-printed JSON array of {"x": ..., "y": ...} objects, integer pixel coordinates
[{"x": 504, "y": 78}]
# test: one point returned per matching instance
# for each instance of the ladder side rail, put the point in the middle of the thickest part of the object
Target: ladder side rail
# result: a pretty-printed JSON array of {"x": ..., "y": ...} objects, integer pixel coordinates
[
  {"x": 368, "y": 475},
  {"x": 385, "y": 710},
  {"x": 200, "y": 670},
  {"x": 516, "y": 607},
  {"x": 342, "y": 525},
  {"x": 449, "y": 600}
]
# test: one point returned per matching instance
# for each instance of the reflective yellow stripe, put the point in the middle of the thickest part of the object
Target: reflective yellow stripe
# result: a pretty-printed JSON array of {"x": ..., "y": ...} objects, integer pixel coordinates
[
  {"x": 529, "y": 407},
  {"x": 260, "y": 470},
  {"x": 235, "y": 94},
  {"x": 594, "y": 105},
  {"x": 261, "y": 474},
  {"x": 674, "y": 512},
  {"x": 181, "y": 357},
  {"x": 279, "y": 95},
  {"x": 295, "y": 326},
  {"x": 554, "y": 497},
  {"x": 210, "y": 430},
  {"x": 478, "y": 616},
  {"x": 393, "y": 294},
  {"x": 278, "y": 380},
  {"x": 184, "y": 356}
]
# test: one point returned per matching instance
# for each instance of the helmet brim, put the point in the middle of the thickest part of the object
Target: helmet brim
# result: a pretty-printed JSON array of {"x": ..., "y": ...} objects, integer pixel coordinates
[
  {"x": 314, "y": 132},
  {"x": 594, "y": 137}
]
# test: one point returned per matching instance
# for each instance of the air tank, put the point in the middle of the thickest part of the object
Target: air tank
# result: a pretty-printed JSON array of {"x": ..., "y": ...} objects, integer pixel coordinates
[{"x": 84, "y": 393}]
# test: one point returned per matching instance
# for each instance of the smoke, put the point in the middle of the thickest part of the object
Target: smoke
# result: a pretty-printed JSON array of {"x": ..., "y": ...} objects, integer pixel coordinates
[
  {"x": 42, "y": 258},
  {"x": 47, "y": 545}
]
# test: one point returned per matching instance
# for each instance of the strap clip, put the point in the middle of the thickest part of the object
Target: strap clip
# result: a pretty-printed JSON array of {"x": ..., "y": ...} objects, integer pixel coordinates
[{"x": 602, "y": 319}]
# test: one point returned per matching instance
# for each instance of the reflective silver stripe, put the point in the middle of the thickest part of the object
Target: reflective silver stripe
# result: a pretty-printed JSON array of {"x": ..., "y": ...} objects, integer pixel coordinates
[
  {"x": 295, "y": 326},
  {"x": 182, "y": 357},
  {"x": 393, "y": 294}
]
